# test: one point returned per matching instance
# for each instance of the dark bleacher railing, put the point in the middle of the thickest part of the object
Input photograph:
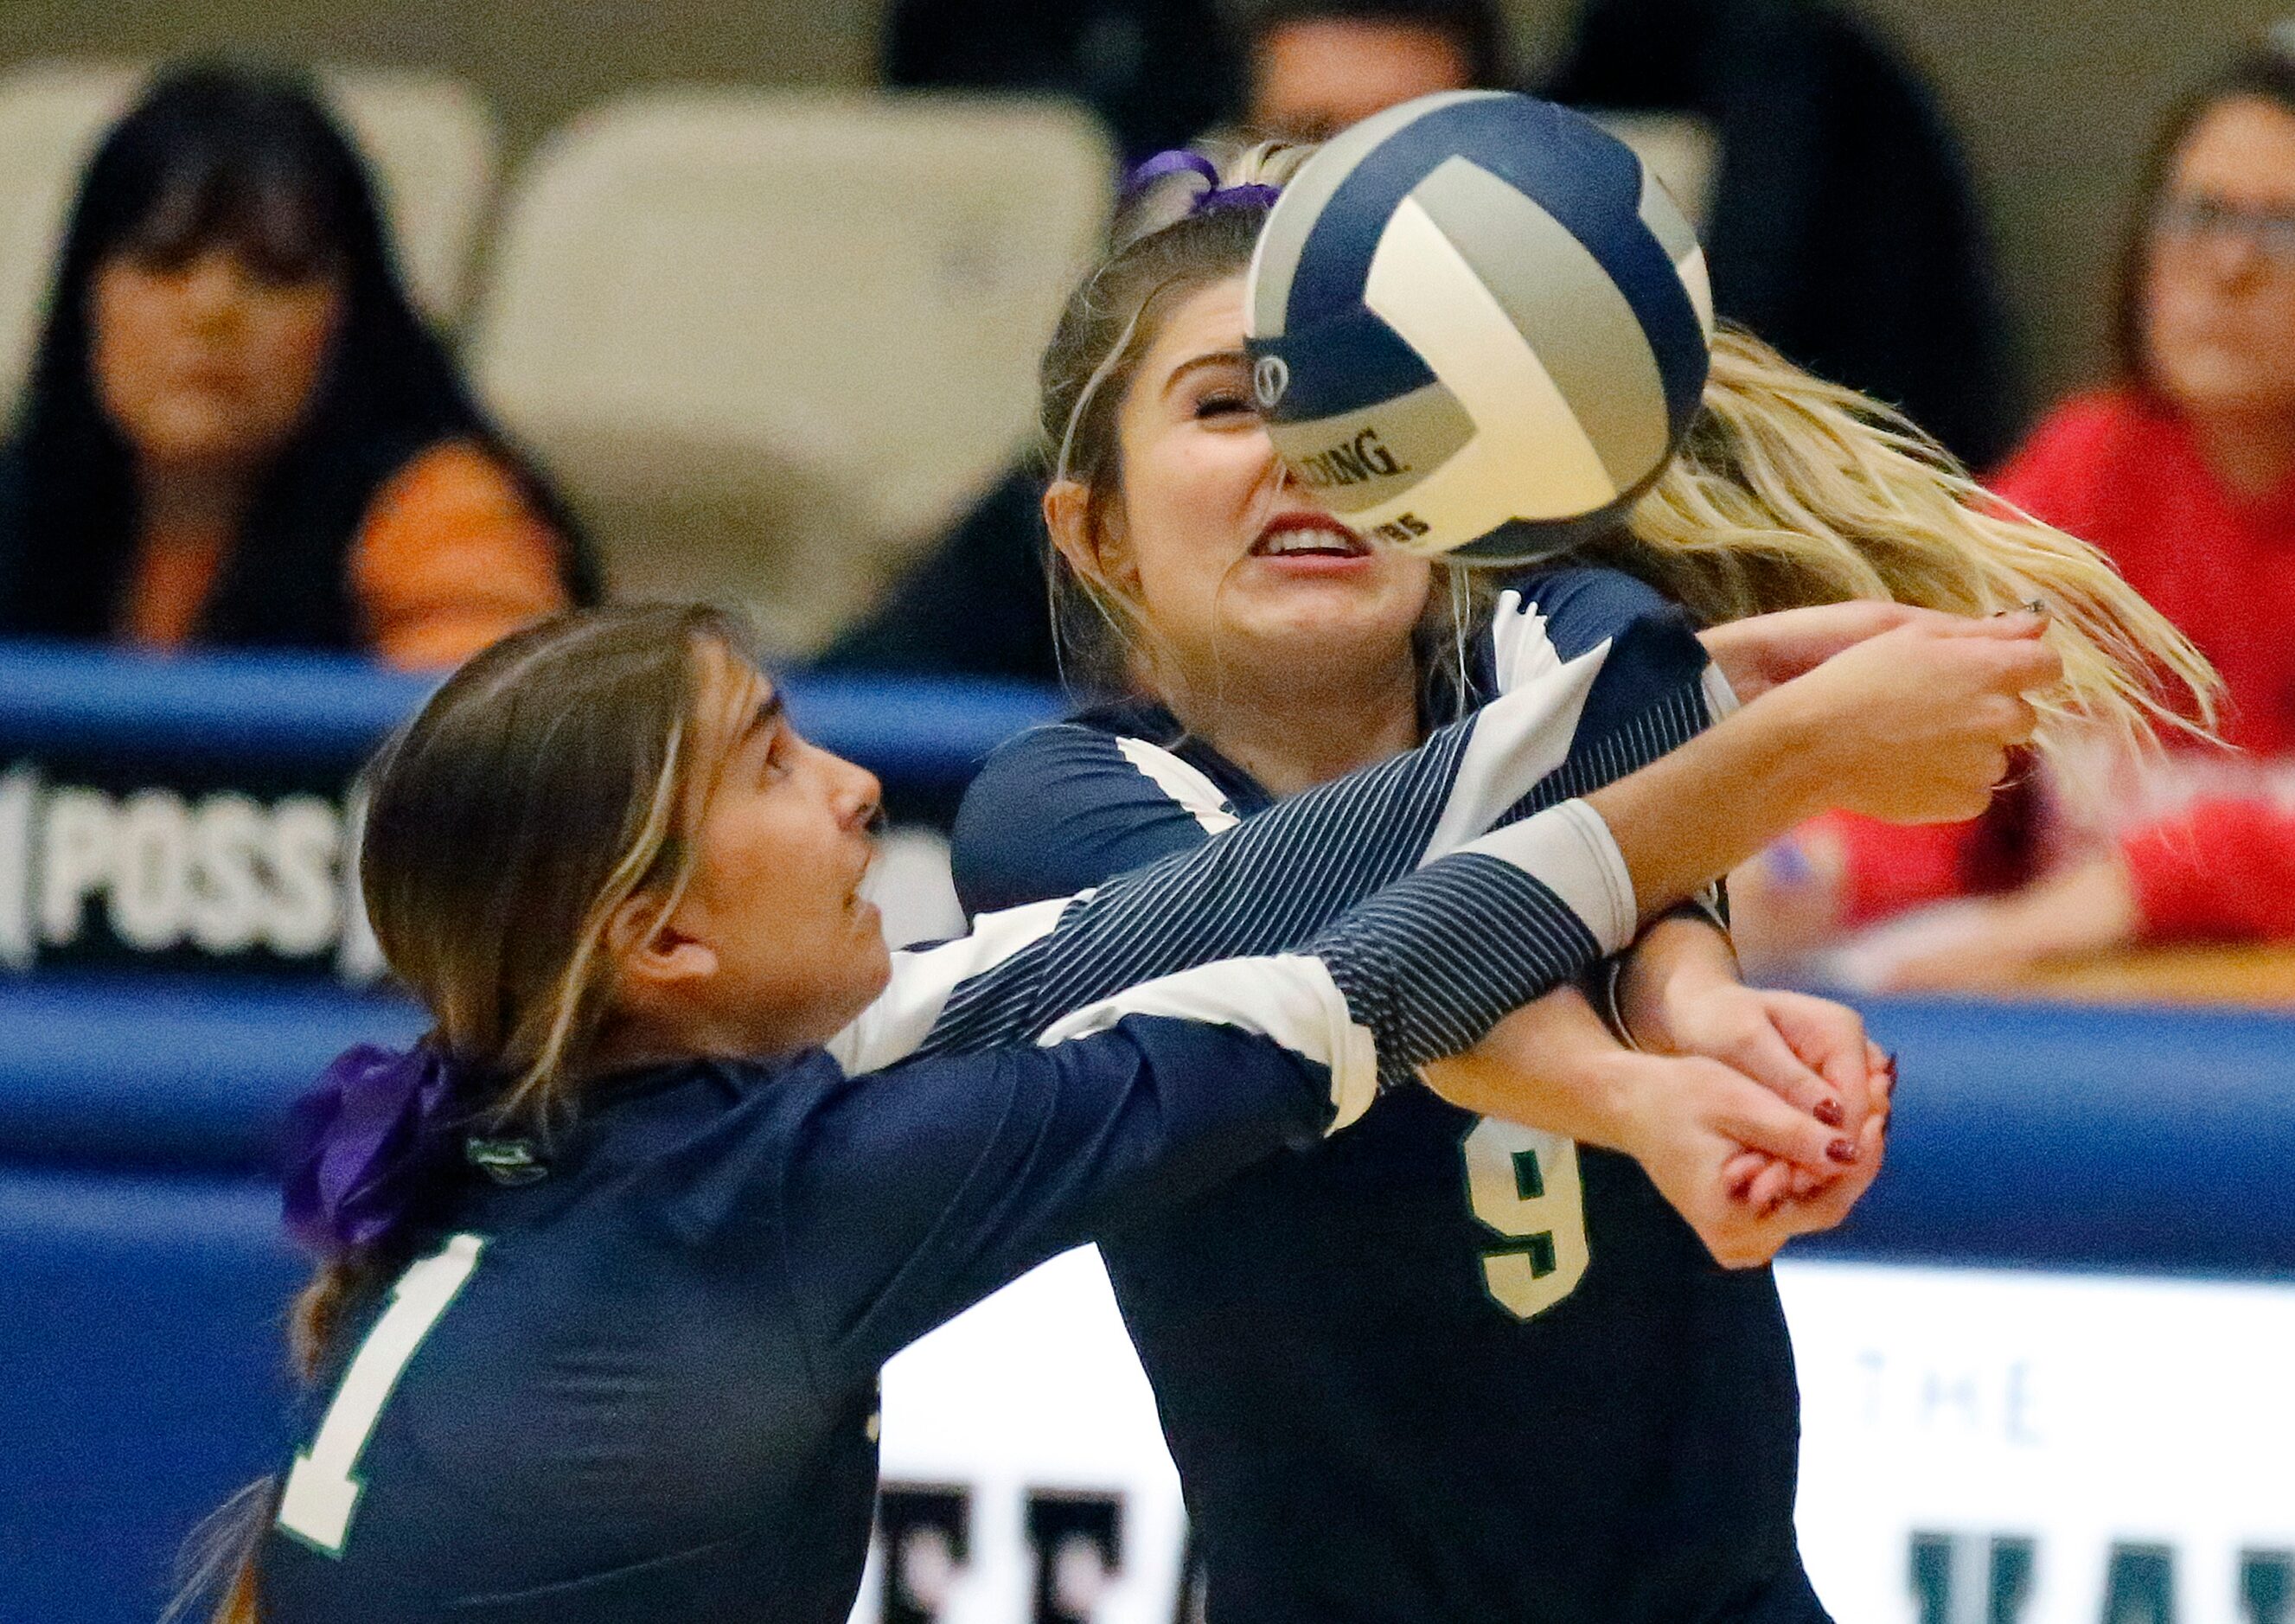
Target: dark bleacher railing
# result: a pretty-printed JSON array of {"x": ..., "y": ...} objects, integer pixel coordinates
[
  {"x": 921, "y": 732},
  {"x": 199, "y": 815}
]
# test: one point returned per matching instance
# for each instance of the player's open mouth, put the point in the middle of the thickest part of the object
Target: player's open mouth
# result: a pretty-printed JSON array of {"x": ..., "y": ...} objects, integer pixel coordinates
[{"x": 1309, "y": 535}]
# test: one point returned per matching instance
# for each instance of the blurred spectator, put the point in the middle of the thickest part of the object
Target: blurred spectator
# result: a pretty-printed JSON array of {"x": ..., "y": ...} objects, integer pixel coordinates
[
  {"x": 1157, "y": 71},
  {"x": 1843, "y": 227},
  {"x": 237, "y": 431},
  {"x": 1318, "y": 66},
  {"x": 2184, "y": 471},
  {"x": 978, "y": 602}
]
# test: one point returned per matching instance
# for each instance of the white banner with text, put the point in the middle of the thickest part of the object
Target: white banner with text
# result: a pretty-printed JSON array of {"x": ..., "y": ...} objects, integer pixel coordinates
[{"x": 1978, "y": 1447}]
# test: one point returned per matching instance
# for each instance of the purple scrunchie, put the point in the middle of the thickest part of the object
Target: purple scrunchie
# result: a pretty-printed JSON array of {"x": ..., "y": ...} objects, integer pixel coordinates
[
  {"x": 1179, "y": 161},
  {"x": 356, "y": 1141}
]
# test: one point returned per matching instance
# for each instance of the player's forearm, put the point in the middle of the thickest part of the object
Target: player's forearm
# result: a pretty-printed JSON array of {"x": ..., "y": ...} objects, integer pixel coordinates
[
  {"x": 1677, "y": 956},
  {"x": 1688, "y": 819},
  {"x": 1551, "y": 1064},
  {"x": 1432, "y": 963}
]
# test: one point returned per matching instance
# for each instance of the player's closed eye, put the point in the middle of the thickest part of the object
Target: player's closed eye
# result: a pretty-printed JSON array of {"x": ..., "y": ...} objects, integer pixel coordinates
[{"x": 1224, "y": 402}]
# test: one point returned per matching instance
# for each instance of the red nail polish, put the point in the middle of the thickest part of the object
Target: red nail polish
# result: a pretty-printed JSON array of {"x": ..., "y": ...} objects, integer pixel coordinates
[
  {"x": 1829, "y": 1112},
  {"x": 1841, "y": 1151}
]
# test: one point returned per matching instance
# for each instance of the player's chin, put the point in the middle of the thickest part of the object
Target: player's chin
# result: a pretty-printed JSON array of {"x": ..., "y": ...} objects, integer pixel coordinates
[
  {"x": 1308, "y": 609},
  {"x": 864, "y": 975},
  {"x": 869, "y": 951}
]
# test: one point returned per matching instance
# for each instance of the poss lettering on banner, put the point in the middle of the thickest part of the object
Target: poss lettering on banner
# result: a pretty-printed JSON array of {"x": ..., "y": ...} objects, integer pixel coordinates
[{"x": 180, "y": 877}]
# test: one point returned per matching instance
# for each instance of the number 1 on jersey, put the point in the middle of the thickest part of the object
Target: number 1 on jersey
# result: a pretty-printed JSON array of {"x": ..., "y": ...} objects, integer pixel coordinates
[
  {"x": 320, "y": 1493},
  {"x": 1523, "y": 1183}
]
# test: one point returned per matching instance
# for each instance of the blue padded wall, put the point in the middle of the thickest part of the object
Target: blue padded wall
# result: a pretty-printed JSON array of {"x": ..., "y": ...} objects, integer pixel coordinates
[{"x": 142, "y": 1378}]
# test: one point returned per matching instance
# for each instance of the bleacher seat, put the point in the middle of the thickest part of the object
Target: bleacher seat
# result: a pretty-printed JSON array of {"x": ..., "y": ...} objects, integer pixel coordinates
[
  {"x": 767, "y": 339},
  {"x": 1682, "y": 149},
  {"x": 431, "y": 139}
]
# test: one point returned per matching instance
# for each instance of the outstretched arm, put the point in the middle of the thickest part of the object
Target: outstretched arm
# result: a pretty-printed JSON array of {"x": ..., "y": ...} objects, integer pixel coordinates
[
  {"x": 1913, "y": 724},
  {"x": 1269, "y": 884},
  {"x": 974, "y": 1167}
]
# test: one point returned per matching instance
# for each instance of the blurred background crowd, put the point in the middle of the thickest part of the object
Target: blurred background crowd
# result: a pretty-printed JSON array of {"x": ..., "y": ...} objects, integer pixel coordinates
[{"x": 475, "y": 321}]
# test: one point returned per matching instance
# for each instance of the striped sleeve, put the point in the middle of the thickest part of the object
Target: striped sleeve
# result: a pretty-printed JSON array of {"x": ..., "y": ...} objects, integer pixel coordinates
[
  {"x": 1153, "y": 1093},
  {"x": 1432, "y": 962},
  {"x": 1421, "y": 969},
  {"x": 1269, "y": 883}
]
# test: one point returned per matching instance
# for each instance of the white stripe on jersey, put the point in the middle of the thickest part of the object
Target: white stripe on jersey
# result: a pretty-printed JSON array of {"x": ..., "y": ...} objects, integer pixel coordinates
[
  {"x": 1183, "y": 782},
  {"x": 1571, "y": 850},
  {"x": 1521, "y": 649},
  {"x": 924, "y": 979},
  {"x": 1526, "y": 733},
  {"x": 1290, "y": 997}
]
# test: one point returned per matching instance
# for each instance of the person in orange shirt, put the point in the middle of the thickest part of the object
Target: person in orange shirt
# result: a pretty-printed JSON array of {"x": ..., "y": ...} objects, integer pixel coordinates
[{"x": 237, "y": 432}]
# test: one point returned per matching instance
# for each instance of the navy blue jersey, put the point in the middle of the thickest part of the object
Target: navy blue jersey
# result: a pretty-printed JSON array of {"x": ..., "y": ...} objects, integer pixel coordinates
[
  {"x": 1442, "y": 1368},
  {"x": 641, "y": 1385},
  {"x": 644, "y": 1387}
]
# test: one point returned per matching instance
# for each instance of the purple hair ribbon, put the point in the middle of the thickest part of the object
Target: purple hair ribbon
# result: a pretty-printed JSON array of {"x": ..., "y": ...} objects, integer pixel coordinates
[
  {"x": 1180, "y": 160},
  {"x": 357, "y": 1140}
]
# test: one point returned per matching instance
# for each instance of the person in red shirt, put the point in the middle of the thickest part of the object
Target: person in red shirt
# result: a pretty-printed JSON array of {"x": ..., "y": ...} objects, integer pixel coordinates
[{"x": 2183, "y": 472}]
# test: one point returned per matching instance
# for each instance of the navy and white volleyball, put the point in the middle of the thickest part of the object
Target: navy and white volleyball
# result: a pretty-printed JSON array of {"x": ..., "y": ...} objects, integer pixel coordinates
[{"x": 1480, "y": 326}]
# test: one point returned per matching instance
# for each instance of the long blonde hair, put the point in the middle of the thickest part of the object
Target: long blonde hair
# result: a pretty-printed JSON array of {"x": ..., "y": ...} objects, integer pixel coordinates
[{"x": 1790, "y": 491}]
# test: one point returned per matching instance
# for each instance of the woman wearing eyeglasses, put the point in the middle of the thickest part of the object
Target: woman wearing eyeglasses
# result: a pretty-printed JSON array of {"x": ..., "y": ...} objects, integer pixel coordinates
[{"x": 2183, "y": 472}]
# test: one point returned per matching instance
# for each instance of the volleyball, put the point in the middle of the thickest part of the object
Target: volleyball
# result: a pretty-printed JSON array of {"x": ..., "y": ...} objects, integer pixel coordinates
[{"x": 1479, "y": 326}]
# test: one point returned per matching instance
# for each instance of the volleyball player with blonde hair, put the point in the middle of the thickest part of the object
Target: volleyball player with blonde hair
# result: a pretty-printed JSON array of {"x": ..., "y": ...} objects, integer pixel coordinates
[{"x": 1448, "y": 1367}]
